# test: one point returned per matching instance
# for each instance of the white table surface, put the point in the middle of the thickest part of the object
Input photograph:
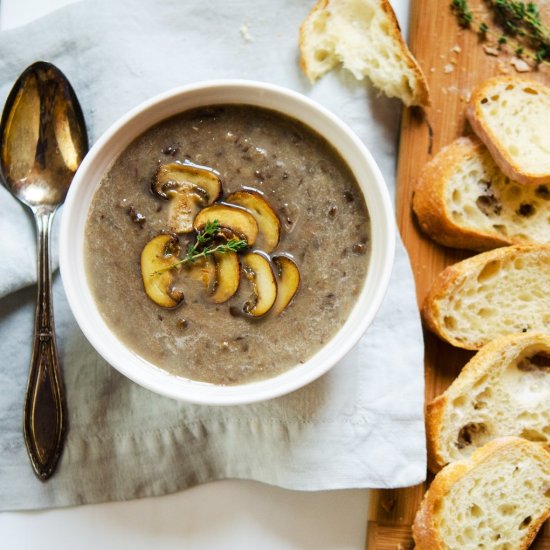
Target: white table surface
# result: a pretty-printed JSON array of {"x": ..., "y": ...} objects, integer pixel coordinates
[{"x": 226, "y": 514}]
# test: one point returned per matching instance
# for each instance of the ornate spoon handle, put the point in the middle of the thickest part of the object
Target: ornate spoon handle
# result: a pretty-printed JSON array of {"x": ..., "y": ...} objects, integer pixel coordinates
[{"x": 44, "y": 414}]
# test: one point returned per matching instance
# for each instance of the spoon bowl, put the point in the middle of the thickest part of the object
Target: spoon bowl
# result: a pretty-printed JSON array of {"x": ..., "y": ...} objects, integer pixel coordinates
[
  {"x": 43, "y": 137},
  {"x": 42, "y": 142}
]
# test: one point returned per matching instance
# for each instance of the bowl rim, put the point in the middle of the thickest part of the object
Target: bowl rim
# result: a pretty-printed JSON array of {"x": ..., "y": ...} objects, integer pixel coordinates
[{"x": 155, "y": 378}]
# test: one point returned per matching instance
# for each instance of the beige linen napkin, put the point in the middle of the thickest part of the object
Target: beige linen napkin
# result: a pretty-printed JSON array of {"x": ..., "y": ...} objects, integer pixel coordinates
[{"x": 361, "y": 425}]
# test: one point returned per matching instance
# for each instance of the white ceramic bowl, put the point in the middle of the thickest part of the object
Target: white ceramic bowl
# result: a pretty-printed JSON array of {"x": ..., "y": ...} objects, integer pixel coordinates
[{"x": 121, "y": 134}]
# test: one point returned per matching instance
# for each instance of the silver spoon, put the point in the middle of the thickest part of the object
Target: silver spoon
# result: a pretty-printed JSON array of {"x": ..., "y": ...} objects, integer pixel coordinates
[{"x": 42, "y": 142}]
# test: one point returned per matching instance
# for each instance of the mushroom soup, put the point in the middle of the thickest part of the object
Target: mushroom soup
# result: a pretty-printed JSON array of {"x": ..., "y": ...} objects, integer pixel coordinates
[{"x": 227, "y": 244}]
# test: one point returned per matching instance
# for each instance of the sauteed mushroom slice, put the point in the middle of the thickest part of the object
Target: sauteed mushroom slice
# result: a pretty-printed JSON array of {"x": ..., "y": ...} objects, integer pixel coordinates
[
  {"x": 228, "y": 276},
  {"x": 257, "y": 269},
  {"x": 203, "y": 270},
  {"x": 189, "y": 188},
  {"x": 240, "y": 223},
  {"x": 288, "y": 282},
  {"x": 266, "y": 218},
  {"x": 157, "y": 257}
]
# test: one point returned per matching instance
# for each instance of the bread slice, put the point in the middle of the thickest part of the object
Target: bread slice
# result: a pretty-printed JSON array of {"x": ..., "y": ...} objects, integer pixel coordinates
[
  {"x": 504, "y": 390},
  {"x": 497, "y": 499},
  {"x": 364, "y": 36},
  {"x": 463, "y": 200},
  {"x": 511, "y": 115},
  {"x": 504, "y": 291}
]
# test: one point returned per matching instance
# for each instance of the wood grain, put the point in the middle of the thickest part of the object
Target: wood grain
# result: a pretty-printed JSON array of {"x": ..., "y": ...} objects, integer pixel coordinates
[{"x": 454, "y": 61}]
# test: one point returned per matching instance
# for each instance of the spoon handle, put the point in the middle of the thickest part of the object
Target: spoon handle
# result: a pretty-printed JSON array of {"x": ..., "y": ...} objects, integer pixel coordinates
[{"x": 44, "y": 414}]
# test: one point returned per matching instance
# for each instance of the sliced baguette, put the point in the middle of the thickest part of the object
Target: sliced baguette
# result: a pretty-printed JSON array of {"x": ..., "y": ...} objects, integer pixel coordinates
[
  {"x": 364, "y": 36},
  {"x": 463, "y": 200},
  {"x": 497, "y": 499},
  {"x": 504, "y": 390},
  {"x": 511, "y": 115},
  {"x": 504, "y": 291}
]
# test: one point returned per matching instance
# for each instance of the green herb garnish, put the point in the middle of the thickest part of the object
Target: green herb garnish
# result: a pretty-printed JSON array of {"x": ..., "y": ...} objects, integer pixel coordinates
[
  {"x": 520, "y": 25},
  {"x": 203, "y": 246},
  {"x": 204, "y": 236}
]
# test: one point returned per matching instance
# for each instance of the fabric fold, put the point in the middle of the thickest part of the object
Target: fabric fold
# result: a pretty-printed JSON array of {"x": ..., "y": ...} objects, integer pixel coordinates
[{"x": 361, "y": 425}]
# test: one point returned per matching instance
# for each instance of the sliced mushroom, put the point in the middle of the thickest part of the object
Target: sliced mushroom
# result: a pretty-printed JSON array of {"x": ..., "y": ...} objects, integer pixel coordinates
[
  {"x": 238, "y": 221},
  {"x": 204, "y": 270},
  {"x": 189, "y": 188},
  {"x": 228, "y": 276},
  {"x": 288, "y": 281},
  {"x": 257, "y": 269},
  {"x": 266, "y": 218},
  {"x": 157, "y": 256}
]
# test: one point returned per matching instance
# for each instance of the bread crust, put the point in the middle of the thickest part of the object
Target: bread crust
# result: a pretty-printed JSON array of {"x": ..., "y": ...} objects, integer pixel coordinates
[
  {"x": 302, "y": 39},
  {"x": 425, "y": 532},
  {"x": 430, "y": 308},
  {"x": 501, "y": 156},
  {"x": 421, "y": 93},
  {"x": 424, "y": 527},
  {"x": 445, "y": 281},
  {"x": 479, "y": 365},
  {"x": 434, "y": 419},
  {"x": 430, "y": 206}
]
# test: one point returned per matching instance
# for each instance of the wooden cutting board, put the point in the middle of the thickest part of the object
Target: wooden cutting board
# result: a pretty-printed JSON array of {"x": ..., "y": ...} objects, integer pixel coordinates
[{"x": 453, "y": 60}]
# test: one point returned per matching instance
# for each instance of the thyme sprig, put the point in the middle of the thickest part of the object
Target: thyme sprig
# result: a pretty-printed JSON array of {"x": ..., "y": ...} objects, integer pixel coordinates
[
  {"x": 203, "y": 246},
  {"x": 204, "y": 236},
  {"x": 521, "y": 23},
  {"x": 523, "y": 20},
  {"x": 233, "y": 245}
]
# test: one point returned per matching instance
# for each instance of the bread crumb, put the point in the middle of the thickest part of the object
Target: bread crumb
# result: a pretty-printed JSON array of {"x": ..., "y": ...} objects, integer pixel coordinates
[
  {"x": 491, "y": 50},
  {"x": 456, "y": 48},
  {"x": 245, "y": 33},
  {"x": 432, "y": 70},
  {"x": 520, "y": 65},
  {"x": 449, "y": 68}
]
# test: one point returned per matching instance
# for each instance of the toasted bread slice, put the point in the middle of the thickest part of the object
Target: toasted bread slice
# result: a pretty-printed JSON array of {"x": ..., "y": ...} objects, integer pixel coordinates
[
  {"x": 504, "y": 390},
  {"x": 511, "y": 115},
  {"x": 497, "y": 499},
  {"x": 463, "y": 200},
  {"x": 364, "y": 36},
  {"x": 504, "y": 291}
]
